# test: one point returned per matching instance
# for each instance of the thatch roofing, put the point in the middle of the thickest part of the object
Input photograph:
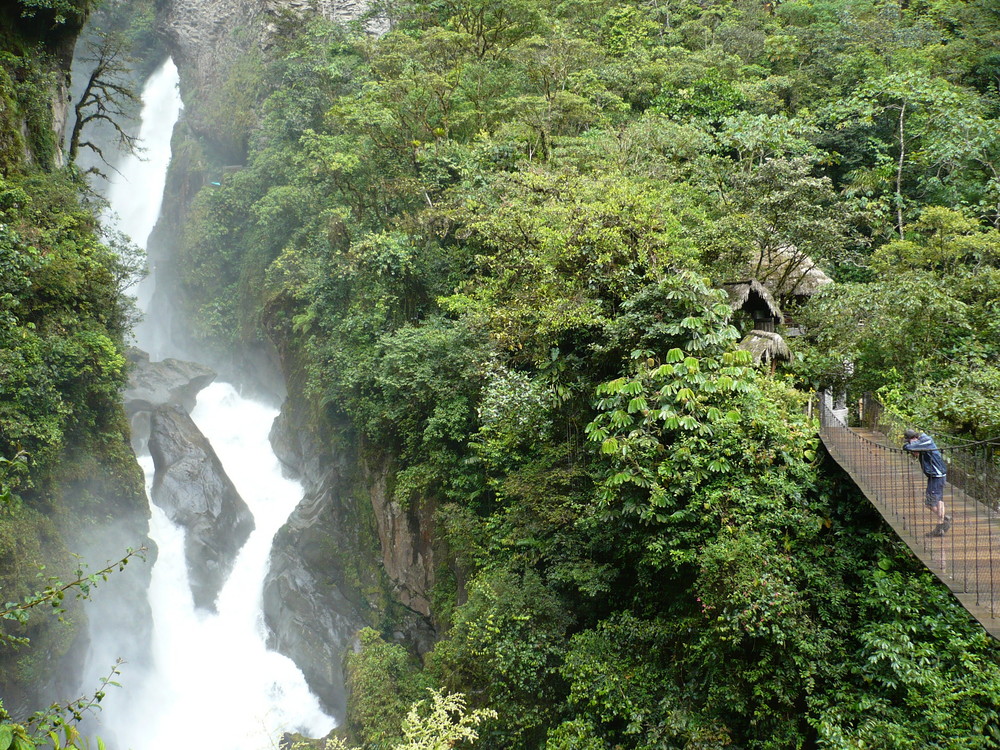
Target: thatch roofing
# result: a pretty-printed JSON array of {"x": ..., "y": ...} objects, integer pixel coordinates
[
  {"x": 756, "y": 294},
  {"x": 765, "y": 346},
  {"x": 788, "y": 272}
]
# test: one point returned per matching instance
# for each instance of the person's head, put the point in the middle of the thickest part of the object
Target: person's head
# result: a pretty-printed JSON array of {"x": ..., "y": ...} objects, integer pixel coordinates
[{"x": 910, "y": 434}]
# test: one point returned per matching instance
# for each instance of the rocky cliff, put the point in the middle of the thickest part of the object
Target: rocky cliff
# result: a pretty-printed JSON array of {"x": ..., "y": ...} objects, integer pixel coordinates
[
  {"x": 206, "y": 37},
  {"x": 49, "y": 45},
  {"x": 313, "y": 600},
  {"x": 406, "y": 539},
  {"x": 343, "y": 560}
]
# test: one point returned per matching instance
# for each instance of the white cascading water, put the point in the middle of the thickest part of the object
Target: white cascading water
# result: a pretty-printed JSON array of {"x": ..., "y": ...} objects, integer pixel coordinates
[
  {"x": 135, "y": 192},
  {"x": 212, "y": 683}
]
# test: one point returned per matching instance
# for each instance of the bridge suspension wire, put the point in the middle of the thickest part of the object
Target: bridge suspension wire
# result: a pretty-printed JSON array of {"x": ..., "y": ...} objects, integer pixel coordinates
[
  {"x": 966, "y": 557},
  {"x": 873, "y": 415}
]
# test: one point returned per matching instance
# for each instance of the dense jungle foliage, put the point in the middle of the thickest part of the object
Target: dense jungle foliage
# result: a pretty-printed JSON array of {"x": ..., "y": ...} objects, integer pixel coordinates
[
  {"x": 65, "y": 460},
  {"x": 493, "y": 240},
  {"x": 490, "y": 245}
]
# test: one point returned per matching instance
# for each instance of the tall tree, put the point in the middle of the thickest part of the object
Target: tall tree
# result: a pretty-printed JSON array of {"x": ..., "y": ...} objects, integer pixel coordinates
[{"x": 107, "y": 97}]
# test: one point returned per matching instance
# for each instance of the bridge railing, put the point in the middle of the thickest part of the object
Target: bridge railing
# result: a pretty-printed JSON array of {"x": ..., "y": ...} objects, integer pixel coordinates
[
  {"x": 968, "y": 556},
  {"x": 973, "y": 466}
]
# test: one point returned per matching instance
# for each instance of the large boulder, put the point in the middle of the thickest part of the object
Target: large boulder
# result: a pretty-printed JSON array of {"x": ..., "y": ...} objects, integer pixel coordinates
[
  {"x": 191, "y": 486},
  {"x": 170, "y": 381}
]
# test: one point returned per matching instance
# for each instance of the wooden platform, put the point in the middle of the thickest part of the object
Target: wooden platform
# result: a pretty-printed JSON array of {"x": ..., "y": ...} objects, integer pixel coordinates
[{"x": 967, "y": 558}]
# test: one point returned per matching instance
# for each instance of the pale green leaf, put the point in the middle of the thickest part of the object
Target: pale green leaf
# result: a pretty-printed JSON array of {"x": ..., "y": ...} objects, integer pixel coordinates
[{"x": 637, "y": 404}]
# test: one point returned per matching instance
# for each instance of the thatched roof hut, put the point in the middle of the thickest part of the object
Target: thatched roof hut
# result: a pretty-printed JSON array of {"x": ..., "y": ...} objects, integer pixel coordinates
[
  {"x": 767, "y": 347},
  {"x": 754, "y": 298},
  {"x": 788, "y": 273}
]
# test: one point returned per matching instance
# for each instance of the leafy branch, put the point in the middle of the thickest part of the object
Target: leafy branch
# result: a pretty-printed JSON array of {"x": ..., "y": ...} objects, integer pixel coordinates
[
  {"x": 8, "y": 467},
  {"x": 55, "y": 726},
  {"x": 55, "y": 593},
  {"x": 439, "y": 724}
]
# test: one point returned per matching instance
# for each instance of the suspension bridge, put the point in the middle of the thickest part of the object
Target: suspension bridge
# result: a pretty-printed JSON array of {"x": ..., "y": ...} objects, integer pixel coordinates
[{"x": 967, "y": 558}]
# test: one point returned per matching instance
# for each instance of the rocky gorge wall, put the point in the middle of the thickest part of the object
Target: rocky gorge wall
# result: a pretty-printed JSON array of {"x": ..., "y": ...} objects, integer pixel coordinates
[
  {"x": 348, "y": 557},
  {"x": 51, "y": 47},
  {"x": 205, "y": 37}
]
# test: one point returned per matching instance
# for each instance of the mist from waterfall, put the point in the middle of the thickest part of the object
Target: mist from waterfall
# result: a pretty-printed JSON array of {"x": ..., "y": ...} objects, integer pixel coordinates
[{"x": 211, "y": 681}]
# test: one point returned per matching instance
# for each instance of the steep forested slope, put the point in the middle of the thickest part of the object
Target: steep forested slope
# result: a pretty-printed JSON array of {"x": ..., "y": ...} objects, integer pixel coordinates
[
  {"x": 66, "y": 467},
  {"x": 489, "y": 246}
]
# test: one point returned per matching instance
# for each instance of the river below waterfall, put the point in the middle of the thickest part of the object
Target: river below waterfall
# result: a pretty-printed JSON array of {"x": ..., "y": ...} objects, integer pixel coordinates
[{"x": 211, "y": 681}]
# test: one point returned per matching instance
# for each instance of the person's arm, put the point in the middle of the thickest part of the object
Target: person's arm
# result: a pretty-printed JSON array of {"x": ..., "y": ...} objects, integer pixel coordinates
[{"x": 923, "y": 443}]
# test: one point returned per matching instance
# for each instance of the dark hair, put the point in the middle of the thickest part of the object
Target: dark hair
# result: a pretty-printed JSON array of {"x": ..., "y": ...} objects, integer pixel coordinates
[{"x": 910, "y": 434}]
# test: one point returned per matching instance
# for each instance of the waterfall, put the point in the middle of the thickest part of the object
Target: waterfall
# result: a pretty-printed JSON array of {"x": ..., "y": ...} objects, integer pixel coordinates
[
  {"x": 211, "y": 680},
  {"x": 135, "y": 192},
  {"x": 136, "y": 189}
]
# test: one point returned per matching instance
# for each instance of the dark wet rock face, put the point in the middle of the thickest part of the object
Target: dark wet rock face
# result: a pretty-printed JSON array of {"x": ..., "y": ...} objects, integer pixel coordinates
[
  {"x": 406, "y": 537},
  {"x": 310, "y": 610},
  {"x": 193, "y": 489},
  {"x": 170, "y": 381},
  {"x": 326, "y": 578},
  {"x": 310, "y": 620}
]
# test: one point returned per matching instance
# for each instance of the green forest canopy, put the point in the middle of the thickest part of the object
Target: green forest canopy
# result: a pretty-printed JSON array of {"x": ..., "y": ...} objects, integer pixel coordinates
[
  {"x": 490, "y": 244},
  {"x": 492, "y": 241}
]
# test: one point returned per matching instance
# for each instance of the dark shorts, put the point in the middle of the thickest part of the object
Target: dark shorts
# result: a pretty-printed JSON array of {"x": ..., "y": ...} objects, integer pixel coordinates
[{"x": 935, "y": 491}]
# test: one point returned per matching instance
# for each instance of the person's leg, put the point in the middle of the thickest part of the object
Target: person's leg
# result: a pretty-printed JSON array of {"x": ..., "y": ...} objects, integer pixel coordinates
[
  {"x": 942, "y": 509},
  {"x": 935, "y": 502},
  {"x": 935, "y": 495}
]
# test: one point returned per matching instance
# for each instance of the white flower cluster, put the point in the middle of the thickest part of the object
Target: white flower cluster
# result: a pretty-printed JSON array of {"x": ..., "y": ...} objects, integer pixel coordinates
[{"x": 513, "y": 402}]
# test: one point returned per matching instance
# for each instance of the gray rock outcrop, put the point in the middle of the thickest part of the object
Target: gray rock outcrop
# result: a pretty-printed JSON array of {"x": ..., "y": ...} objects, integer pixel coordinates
[
  {"x": 311, "y": 611},
  {"x": 310, "y": 619},
  {"x": 201, "y": 35},
  {"x": 170, "y": 381},
  {"x": 193, "y": 489},
  {"x": 329, "y": 563},
  {"x": 406, "y": 537},
  {"x": 332, "y": 10}
]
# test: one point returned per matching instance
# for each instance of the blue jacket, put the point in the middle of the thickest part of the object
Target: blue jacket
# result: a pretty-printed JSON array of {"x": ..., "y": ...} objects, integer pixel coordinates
[{"x": 931, "y": 461}]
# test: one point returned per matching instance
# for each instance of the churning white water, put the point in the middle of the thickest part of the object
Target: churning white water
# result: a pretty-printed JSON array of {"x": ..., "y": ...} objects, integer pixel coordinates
[{"x": 212, "y": 682}]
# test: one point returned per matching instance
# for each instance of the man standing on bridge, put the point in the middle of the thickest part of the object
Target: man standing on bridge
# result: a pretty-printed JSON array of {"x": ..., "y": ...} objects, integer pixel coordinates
[{"x": 936, "y": 470}]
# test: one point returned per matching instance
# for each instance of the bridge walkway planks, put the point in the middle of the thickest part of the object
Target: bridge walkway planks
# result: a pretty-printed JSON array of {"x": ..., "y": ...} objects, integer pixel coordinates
[{"x": 967, "y": 558}]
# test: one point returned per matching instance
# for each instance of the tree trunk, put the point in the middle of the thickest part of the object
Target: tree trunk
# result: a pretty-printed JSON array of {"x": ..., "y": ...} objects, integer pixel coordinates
[{"x": 899, "y": 172}]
